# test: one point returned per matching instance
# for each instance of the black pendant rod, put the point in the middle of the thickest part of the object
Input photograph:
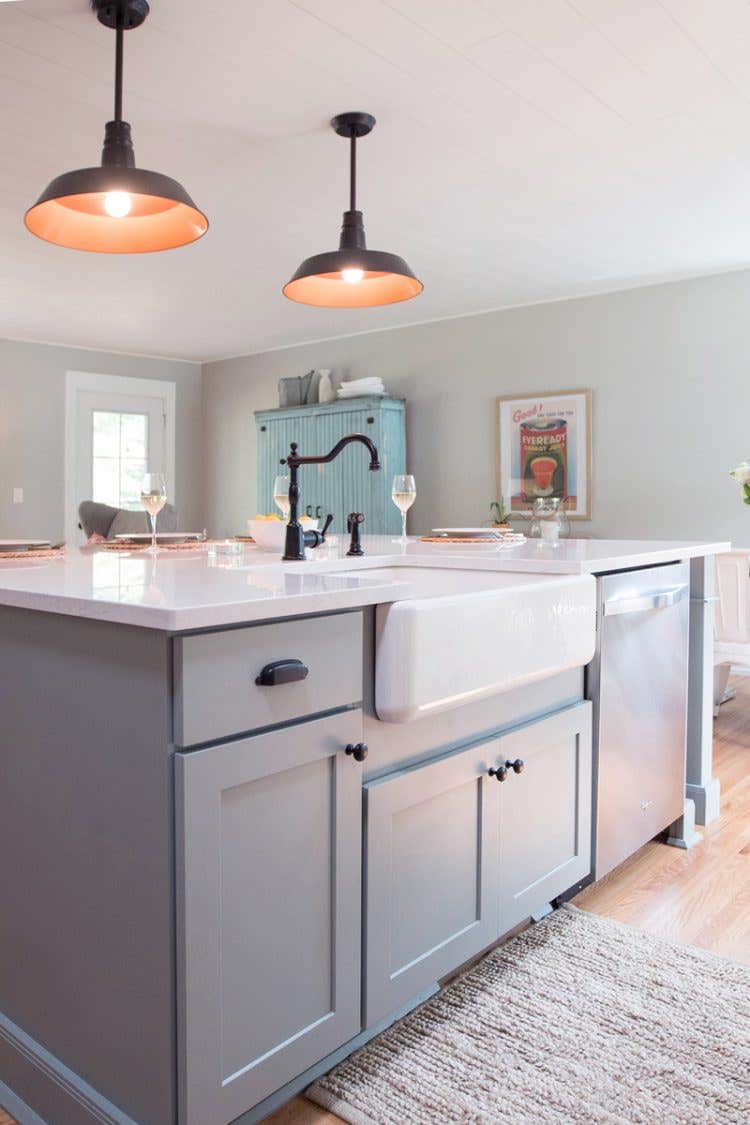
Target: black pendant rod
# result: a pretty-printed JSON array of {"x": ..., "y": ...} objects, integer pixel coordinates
[
  {"x": 119, "y": 45},
  {"x": 353, "y": 172}
]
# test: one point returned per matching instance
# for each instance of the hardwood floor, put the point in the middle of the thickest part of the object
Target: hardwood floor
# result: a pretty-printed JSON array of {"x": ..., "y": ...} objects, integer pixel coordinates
[{"x": 700, "y": 897}]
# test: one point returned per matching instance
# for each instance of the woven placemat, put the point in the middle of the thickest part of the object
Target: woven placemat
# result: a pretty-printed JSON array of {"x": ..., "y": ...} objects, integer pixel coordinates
[
  {"x": 124, "y": 545},
  {"x": 35, "y": 553},
  {"x": 485, "y": 540}
]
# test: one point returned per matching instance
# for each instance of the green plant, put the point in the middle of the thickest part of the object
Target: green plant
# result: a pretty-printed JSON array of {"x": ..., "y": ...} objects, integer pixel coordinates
[{"x": 499, "y": 512}]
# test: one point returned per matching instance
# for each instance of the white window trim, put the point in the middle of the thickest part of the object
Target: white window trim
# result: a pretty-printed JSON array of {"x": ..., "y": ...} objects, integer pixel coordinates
[{"x": 76, "y": 381}]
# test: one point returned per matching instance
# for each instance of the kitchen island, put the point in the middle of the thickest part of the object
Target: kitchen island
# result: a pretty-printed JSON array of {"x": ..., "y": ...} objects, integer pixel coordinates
[{"x": 250, "y": 811}]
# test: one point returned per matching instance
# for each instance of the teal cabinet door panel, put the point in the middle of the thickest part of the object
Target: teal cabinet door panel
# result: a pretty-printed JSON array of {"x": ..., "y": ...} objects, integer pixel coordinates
[{"x": 346, "y": 484}]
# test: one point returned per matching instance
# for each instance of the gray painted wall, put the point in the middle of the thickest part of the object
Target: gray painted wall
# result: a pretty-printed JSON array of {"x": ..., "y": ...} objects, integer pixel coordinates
[
  {"x": 32, "y": 430},
  {"x": 669, "y": 366}
]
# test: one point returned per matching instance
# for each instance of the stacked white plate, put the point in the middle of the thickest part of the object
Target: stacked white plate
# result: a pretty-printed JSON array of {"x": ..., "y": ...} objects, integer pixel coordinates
[
  {"x": 371, "y": 385},
  {"x": 23, "y": 544}
]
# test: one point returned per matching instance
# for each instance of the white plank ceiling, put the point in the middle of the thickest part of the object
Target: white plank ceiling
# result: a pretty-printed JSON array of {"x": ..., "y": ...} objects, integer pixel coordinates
[{"x": 525, "y": 150}]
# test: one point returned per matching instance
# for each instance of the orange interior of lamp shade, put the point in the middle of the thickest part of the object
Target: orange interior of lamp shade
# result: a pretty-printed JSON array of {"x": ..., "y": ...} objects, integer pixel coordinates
[
  {"x": 81, "y": 223},
  {"x": 331, "y": 291}
]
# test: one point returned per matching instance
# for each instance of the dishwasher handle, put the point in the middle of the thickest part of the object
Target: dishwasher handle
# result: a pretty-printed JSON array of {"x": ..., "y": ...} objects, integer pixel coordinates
[{"x": 656, "y": 599}]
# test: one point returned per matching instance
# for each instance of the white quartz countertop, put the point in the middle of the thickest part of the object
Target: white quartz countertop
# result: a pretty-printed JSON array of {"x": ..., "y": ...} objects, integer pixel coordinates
[{"x": 177, "y": 591}]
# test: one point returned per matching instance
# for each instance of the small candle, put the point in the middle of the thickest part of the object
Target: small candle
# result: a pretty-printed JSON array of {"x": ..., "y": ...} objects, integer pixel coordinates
[{"x": 225, "y": 547}]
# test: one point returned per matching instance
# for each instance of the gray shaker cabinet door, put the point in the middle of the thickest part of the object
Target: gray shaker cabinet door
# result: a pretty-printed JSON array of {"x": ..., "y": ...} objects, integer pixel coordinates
[
  {"x": 545, "y": 812},
  {"x": 269, "y": 918},
  {"x": 431, "y": 874}
]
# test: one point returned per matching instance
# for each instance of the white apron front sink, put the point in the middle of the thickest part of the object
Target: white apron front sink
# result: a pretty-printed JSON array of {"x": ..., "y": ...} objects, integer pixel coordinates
[{"x": 462, "y": 635}]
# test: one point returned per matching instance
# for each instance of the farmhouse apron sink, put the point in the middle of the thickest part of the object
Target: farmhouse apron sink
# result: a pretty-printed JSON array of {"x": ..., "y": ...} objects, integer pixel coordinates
[{"x": 461, "y": 635}]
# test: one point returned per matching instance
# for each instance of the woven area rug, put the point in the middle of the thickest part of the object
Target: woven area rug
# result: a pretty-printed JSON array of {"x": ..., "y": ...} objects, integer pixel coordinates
[{"x": 579, "y": 1019}]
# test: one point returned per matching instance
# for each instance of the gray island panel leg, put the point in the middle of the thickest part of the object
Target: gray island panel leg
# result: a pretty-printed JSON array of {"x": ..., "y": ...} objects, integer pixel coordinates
[
  {"x": 702, "y": 787},
  {"x": 86, "y": 864}
]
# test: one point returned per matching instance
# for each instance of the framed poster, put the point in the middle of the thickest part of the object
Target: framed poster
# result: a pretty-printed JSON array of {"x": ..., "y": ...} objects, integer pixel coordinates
[{"x": 544, "y": 449}]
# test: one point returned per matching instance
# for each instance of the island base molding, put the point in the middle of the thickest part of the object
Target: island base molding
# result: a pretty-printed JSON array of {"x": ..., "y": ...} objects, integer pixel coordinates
[
  {"x": 58, "y": 1094},
  {"x": 707, "y": 800},
  {"x": 62, "y": 1095},
  {"x": 682, "y": 833}
]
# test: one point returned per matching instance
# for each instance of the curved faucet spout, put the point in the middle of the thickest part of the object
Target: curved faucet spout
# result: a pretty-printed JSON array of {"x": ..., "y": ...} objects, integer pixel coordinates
[{"x": 294, "y": 459}]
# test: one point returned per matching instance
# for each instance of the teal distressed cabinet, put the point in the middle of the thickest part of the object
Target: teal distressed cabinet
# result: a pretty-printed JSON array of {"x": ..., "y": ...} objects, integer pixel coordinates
[{"x": 346, "y": 485}]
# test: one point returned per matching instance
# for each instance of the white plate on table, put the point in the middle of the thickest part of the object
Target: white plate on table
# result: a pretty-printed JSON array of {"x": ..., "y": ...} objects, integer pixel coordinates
[
  {"x": 161, "y": 537},
  {"x": 474, "y": 532},
  {"x": 23, "y": 544}
]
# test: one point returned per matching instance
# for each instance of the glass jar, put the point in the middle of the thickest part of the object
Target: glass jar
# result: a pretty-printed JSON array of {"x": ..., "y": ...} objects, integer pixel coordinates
[{"x": 549, "y": 520}]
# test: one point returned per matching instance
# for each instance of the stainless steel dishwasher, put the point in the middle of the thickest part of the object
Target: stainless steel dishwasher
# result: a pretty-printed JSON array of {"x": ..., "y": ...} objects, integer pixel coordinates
[{"x": 638, "y": 685}]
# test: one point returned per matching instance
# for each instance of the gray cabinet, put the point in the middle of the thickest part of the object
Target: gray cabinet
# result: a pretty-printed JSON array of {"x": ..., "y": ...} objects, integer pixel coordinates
[
  {"x": 431, "y": 874},
  {"x": 454, "y": 859},
  {"x": 545, "y": 812},
  {"x": 269, "y": 922}
]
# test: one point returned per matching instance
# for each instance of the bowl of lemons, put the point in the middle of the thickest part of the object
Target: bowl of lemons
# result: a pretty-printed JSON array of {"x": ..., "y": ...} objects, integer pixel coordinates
[{"x": 269, "y": 531}]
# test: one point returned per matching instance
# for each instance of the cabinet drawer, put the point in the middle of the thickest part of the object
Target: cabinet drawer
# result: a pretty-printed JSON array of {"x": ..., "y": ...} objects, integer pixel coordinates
[{"x": 216, "y": 695}]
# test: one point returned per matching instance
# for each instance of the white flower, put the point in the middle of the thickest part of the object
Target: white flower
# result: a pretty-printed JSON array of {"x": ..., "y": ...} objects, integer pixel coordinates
[{"x": 742, "y": 473}]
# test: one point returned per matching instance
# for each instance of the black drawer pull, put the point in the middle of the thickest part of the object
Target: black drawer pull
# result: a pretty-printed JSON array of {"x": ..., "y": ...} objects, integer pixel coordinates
[
  {"x": 282, "y": 672},
  {"x": 500, "y": 773},
  {"x": 358, "y": 752}
]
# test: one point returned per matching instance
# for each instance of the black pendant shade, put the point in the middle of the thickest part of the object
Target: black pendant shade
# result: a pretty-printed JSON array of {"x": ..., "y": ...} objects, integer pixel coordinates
[
  {"x": 353, "y": 276},
  {"x": 116, "y": 208}
]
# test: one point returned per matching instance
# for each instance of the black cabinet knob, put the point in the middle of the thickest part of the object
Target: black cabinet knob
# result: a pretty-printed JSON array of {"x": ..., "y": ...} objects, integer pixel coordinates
[
  {"x": 500, "y": 773},
  {"x": 516, "y": 766},
  {"x": 358, "y": 752}
]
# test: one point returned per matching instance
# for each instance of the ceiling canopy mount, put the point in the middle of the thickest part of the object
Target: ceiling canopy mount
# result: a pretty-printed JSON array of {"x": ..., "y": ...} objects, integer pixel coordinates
[
  {"x": 131, "y": 12},
  {"x": 353, "y": 124}
]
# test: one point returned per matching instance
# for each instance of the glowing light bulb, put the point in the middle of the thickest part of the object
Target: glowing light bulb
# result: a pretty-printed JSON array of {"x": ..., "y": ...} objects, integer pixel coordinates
[
  {"x": 118, "y": 204},
  {"x": 352, "y": 275}
]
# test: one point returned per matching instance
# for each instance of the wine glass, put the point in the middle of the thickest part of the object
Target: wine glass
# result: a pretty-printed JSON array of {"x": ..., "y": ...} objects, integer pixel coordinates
[
  {"x": 404, "y": 494},
  {"x": 153, "y": 499},
  {"x": 281, "y": 494}
]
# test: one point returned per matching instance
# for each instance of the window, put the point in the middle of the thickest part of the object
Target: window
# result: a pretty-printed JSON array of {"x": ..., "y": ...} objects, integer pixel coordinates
[{"x": 120, "y": 457}]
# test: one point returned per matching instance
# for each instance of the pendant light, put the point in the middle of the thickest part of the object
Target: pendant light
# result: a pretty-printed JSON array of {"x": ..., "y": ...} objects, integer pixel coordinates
[
  {"x": 116, "y": 208},
  {"x": 353, "y": 277}
]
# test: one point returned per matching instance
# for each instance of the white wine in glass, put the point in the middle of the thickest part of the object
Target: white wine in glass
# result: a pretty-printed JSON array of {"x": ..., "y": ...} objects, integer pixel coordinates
[
  {"x": 281, "y": 494},
  {"x": 153, "y": 499},
  {"x": 404, "y": 494}
]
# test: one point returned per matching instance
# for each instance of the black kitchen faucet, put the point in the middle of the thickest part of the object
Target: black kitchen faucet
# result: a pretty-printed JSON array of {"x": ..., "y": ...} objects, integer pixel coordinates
[{"x": 296, "y": 536}]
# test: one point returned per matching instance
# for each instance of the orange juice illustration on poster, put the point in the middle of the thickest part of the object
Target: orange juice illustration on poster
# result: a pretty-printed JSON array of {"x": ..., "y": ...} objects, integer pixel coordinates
[{"x": 544, "y": 446}]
